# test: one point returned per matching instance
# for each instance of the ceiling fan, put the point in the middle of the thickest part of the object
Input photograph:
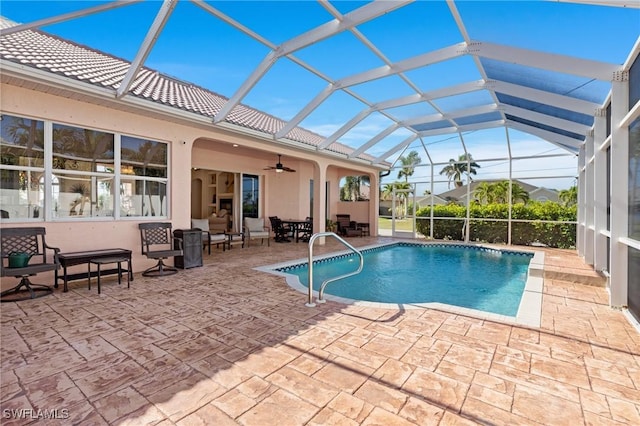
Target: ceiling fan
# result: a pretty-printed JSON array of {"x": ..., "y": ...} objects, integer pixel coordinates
[{"x": 279, "y": 168}]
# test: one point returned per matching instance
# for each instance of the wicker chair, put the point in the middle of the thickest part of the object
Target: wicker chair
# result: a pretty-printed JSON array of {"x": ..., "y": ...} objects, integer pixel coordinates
[{"x": 347, "y": 227}]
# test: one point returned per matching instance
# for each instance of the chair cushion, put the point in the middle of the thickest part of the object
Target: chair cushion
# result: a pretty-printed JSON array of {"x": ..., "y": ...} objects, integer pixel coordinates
[
  {"x": 222, "y": 213},
  {"x": 218, "y": 237},
  {"x": 254, "y": 224},
  {"x": 201, "y": 224},
  {"x": 260, "y": 234}
]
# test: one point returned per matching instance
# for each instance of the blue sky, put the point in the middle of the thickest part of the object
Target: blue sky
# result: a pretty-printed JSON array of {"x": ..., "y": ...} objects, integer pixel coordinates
[{"x": 199, "y": 48}]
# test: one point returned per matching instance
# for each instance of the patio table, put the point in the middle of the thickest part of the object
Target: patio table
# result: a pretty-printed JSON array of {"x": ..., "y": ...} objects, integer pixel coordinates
[
  {"x": 295, "y": 225},
  {"x": 84, "y": 257}
]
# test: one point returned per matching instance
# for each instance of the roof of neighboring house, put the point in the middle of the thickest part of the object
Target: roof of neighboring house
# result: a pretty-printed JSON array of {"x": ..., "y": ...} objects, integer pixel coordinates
[
  {"x": 461, "y": 192},
  {"x": 43, "y": 51}
]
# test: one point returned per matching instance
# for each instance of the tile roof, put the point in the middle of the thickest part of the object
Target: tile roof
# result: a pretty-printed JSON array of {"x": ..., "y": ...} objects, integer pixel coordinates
[{"x": 50, "y": 53}]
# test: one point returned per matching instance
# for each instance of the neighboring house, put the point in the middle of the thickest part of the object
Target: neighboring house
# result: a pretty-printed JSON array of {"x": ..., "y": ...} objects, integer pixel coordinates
[
  {"x": 459, "y": 195},
  {"x": 544, "y": 194},
  {"x": 421, "y": 201}
]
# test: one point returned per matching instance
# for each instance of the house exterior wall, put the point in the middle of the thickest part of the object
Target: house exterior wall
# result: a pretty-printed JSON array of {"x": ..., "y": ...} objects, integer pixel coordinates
[
  {"x": 359, "y": 210},
  {"x": 286, "y": 194}
]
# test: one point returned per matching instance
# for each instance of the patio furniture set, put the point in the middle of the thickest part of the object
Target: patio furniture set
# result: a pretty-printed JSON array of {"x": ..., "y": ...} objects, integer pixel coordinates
[{"x": 25, "y": 253}]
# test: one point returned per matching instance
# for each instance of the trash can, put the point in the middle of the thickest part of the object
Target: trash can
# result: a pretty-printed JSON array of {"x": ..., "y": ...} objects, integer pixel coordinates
[{"x": 191, "y": 248}]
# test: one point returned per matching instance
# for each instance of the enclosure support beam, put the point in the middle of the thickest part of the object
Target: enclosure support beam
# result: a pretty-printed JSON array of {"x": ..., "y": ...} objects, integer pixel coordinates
[
  {"x": 619, "y": 279},
  {"x": 600, "y": 191},
  {"x": 589, "y": 234}
]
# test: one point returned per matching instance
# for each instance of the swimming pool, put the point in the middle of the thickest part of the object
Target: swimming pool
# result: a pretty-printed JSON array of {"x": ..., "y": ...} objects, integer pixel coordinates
[{"x": 471, "y": 277}]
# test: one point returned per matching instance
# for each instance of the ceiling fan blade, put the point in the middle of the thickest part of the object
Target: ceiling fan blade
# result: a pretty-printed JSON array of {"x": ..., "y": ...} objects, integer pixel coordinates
[{"x": 279, "y": 167}]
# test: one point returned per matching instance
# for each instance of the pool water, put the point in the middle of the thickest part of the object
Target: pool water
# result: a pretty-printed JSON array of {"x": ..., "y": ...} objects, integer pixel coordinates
[{"x": 468, "y": 276}]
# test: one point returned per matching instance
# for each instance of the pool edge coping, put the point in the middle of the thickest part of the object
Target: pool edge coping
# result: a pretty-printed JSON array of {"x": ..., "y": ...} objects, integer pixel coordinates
[{"x": 529, "y": 310}]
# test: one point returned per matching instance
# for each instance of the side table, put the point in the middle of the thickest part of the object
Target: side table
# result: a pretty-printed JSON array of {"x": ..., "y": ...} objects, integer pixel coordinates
[
  {"x": 106, "y": 261},
  {"x": 364, "y": 226},
  {"x": 233, "y": 241}
]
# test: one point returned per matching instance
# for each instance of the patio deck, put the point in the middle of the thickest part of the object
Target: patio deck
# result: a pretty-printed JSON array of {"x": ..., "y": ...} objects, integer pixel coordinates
[{"x": 225, "y": 344}]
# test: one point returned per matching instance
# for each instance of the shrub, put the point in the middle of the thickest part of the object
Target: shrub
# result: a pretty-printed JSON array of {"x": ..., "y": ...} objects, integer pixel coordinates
[{"x": 559, "y": 235}]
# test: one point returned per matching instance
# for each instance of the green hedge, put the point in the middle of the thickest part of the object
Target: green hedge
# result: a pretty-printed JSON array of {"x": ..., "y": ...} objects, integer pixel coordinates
[{"x": 560, "y": 235}]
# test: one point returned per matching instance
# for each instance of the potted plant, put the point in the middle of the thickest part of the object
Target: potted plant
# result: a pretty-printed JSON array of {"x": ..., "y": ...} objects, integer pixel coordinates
[{"x": 330, "y": 226}]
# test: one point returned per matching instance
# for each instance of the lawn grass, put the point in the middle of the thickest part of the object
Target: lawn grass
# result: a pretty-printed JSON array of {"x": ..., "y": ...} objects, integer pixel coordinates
[{"x": 401, "y": 224}]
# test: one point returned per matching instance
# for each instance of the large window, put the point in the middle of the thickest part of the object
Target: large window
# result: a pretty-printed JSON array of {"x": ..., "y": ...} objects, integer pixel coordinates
[
  {"x": 21, "y": 167},
  {"x": 143, "y": 185},
  {"x": 83, "y": 164},
  {"x": 79, "y": 173}
]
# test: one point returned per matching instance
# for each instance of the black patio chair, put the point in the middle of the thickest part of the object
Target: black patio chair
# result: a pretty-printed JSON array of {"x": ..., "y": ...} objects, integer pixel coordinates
[
  {"x": 159, "y": 243},
  {"x": 280, "y": 231},
  {"x": 305, "y": 230},
  {"x": 25, "y": 253}
]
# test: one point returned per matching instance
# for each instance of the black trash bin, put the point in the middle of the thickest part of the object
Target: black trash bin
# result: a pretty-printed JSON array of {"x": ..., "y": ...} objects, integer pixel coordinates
[{"x": 191, "y": 248}]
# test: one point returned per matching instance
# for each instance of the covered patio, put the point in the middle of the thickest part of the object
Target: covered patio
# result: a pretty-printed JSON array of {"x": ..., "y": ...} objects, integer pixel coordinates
[{"x": 227, "y": 344}]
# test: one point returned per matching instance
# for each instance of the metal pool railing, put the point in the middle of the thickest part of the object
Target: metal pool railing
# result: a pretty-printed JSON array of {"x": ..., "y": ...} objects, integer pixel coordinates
[{"x": 314, "y": 237}]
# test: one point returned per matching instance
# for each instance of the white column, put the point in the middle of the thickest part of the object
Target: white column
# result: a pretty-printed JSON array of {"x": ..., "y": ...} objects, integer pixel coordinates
[
  {"x": 619, "y": 190},
  {"x": 589, "y": 202},
  {"x": 600, "y": 190},
  {"x": 374, "y": 203},
  {"x": 581, "y": 229}
]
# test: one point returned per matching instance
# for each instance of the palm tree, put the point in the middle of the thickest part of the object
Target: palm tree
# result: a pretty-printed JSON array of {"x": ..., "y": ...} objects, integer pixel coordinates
[
  {"x": 569, "y": 197},
  {"x": 518, "y": 193},
  {"x": 455, "y": 169},
  {"x": 484, "y": 193},
  {"x": 489, "y": 193},
  {"x": 409, "y": 164},
  {"x": 402, "y": 194}
]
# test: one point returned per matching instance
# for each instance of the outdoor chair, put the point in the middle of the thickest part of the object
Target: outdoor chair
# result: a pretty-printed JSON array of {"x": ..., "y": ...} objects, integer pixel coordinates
[
  {"x": 220, "y": 222},
  {"x": 305, "y": 230},
  {"x": 25, "y": 253},
  {"x": 254, "y": 229},
  {"x": 347, "y": 227},
  {"x": 159, "y": 243},
  {"x": 280, "y": 231}
]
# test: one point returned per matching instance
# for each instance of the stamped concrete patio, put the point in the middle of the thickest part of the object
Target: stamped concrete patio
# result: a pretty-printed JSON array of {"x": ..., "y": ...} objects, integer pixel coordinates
[{"x": 226, "y": 344}]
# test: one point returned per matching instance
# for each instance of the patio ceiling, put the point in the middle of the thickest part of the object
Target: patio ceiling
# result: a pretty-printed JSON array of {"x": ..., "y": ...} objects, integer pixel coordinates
[{"x": 509, "y": 80}]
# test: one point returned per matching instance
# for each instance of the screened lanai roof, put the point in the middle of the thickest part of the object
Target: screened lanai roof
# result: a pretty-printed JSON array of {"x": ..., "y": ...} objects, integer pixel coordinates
[{"x": 365, "y": 80}]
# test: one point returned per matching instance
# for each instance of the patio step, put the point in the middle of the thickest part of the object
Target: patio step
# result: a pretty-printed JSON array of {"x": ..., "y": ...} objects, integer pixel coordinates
[{"x": 576, "y": 275}]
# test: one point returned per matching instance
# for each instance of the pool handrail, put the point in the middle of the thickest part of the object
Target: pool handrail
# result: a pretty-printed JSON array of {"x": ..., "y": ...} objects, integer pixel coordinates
[{"x": 314, "y": 237}]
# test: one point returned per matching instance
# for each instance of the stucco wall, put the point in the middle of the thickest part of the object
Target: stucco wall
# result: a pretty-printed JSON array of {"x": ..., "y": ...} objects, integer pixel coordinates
[{"x": 287, "y": 193}]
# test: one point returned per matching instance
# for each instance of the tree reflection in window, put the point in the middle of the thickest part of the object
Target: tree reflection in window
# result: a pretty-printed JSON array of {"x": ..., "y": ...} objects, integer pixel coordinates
[
  {"x": 22, "y": 141},
  {"x": 82, "y": 149},
  {"x": 144, "y": 172}
]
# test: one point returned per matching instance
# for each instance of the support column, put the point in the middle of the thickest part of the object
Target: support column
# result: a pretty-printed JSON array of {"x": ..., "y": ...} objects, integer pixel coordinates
[
  {"x": 618, "y": 278},
  {"x": 600, "y": 190},
  {"x": 374, "y": 203},
  {"x": 589, "y": 234},
  {"x": 582, "y": 189},
  {"x": 320, "y": 201}
]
